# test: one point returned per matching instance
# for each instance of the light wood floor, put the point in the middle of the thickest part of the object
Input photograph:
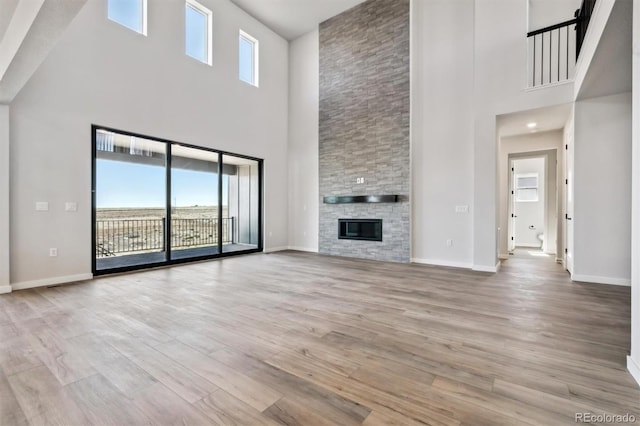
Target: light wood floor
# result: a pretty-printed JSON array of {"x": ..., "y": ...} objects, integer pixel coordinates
[{"x": 302, "y": 339}]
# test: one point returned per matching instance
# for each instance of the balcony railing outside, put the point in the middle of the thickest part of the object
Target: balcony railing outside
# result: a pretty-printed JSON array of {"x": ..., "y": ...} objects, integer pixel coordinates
[
  {"x": 128, "y": 236},
  {"x": 554, "y": 50}
]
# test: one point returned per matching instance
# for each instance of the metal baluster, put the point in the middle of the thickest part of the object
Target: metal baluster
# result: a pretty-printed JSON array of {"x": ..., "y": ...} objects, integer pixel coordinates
[{"x": 534, "y": 60}]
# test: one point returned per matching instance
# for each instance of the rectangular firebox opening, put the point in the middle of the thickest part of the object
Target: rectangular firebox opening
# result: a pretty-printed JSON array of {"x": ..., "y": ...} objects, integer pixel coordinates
[{"x": 360, "y": 229}]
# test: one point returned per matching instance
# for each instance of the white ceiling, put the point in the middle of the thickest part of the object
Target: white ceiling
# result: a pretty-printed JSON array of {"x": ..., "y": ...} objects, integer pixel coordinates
[
  {"x": 7, "y": 7},
  {"x": 293, "y": 18},
  {"x": 30, "y": 32},
  {"x": 550, "y": 118}
]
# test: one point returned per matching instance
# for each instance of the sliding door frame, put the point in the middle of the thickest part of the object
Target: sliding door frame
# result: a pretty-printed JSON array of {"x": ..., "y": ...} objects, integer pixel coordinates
[{"x": 167, "y": 236}]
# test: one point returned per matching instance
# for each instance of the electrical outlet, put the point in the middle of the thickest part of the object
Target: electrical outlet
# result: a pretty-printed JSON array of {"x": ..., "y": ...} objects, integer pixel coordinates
[
  {"x": 449, "y": 243},
  {"x": 42, "y": 206},
  {"x": 71, "y": 206},
  {"x": 462, "y": 209},
  {"x": 53, "y": 252},
  {"x": 359, "y": 180}
]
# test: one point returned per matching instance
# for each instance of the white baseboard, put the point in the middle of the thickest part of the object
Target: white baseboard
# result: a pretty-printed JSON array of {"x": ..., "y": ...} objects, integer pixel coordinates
[
  {"x": 446, "y": 263},
  {"x": 601, "y": 280},
  {"x": 275, "y": 249},
  {"x": 295, "y": 248},
  {"x": 306, "y": 249},
  {"x": 450, "y": 264},
  {"x": 634, "y": 369},
  {"x": 528, "y": 245},
  {"x": 51, "y": 281},
  {"x": 4, "y": 289},
  {"x": 482, "y": 268}
]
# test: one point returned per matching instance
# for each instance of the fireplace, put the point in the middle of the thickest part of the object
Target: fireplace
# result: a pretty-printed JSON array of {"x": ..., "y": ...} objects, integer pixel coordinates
[{"x": 360, "y": 229}]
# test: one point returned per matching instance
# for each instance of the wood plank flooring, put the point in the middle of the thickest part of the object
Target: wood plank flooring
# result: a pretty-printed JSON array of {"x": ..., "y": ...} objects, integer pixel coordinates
[{"x": 301, "y": 339}]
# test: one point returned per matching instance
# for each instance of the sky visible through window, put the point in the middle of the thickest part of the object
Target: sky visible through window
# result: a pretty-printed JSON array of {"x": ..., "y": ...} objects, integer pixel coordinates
[
  {"x": 128, "y": 185},
  {"x": 127, "y": 13},
  {"x": 246, "y": 60},
  {"x": 196, "y": 33}
]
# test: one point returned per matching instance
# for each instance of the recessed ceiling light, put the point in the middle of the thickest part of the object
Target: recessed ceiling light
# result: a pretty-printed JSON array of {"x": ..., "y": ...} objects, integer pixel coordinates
[{"x": 532, "y": 125}]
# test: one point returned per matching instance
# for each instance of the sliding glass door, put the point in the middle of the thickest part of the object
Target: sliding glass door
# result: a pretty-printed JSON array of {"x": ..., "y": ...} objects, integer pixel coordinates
[
  {"x": 241, "y": 203},
  {"x": 159, "y": 202},
  {"x": 130, "y": 201},
  {"x": 194, "y": 202}
]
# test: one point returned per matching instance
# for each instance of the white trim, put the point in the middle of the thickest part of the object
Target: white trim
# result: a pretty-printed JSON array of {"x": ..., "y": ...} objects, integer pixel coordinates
[
  {"x": 483, "y": 268},
  {"x": 446, "y": 263},
  {"x": 255, "y": 72},
  {"x": 548, "y": 86},
  {"x": 209, "y": 15},
  {"x": 51, "y": 281},
  {"x": 143, "y": 24},
  {"x": 4, "y": 289},
  {"x": 274, "y": 249},
  {"x": 503, "y": 256},
  {"x": 599, "y": 18},
  {"x": 634, "y": 368},
  {"x": 601, "y": 280},
  {"x": 305, "y": 249},
  {"x": 144, "y": 17},
  {"x": 528, "y": 245}
]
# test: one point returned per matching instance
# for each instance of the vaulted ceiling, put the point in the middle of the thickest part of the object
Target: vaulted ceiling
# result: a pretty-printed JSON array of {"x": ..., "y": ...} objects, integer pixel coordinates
[
  {"x": 28, "y": 31},
  {"x": 293, "y": 18}
]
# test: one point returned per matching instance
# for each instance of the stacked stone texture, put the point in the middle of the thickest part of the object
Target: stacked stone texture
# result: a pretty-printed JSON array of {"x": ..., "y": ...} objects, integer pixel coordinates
[{"x": 364, "y": 125}]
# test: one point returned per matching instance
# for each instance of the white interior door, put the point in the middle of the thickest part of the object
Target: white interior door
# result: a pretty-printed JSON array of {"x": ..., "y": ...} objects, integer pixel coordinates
[
  {"x": 568, "y": 226},
  {"x": 511, "y": 237}
]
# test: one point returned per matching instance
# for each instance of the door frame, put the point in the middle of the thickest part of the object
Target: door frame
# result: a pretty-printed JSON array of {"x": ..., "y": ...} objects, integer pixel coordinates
[
  {"x": 547, "y": 154},
  {"x": 167, "y": 236}
]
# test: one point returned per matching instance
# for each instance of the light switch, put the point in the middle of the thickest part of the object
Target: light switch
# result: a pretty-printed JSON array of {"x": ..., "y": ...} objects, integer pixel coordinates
[
  {"x": 462, "y": 209},
  {"x": 42, "y": 206},
  {"x": 71, "y": 206}
]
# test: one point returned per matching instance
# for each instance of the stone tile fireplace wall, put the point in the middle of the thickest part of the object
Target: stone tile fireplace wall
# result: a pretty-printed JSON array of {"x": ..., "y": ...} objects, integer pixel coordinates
[{"x": 364, "y": 125}]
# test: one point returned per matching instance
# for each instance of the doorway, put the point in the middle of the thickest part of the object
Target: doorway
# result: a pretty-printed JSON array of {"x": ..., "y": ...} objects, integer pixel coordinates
[
  {"x": 533, "y": 204},
  {"x": 528, "y": 204}
]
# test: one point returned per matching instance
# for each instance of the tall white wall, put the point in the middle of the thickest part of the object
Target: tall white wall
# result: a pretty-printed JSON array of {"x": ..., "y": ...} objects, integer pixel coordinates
[
  {"x": 4, "y": 199},
  {"x": 500, "y": 64},
  {"x": 530, "y": 213},
  {"x": 602, "y": 190},
  {"x": 633, "y": 362},
  {"x": 469, "y": 65},
  {"x": 442, "y": 143},
  {"x": 103, "y": 73},
  {"x": 304, "y": 86},
  {"x": 532, "y": 142}
]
